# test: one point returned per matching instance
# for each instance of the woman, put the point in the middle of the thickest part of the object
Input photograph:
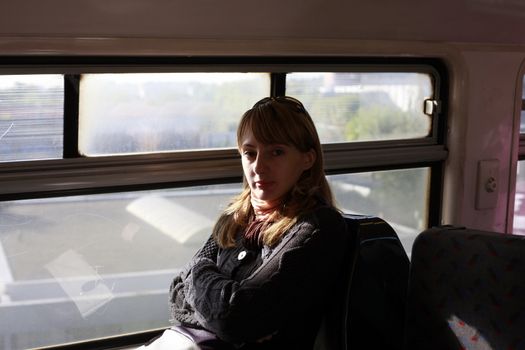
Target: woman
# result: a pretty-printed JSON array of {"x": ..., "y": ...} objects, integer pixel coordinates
[{"x": 263, "y": 278}]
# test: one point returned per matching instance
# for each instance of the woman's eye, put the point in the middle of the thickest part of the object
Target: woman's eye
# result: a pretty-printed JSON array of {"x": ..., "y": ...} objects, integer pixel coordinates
[
  {"x": 278, "y": 152},
  {"x": 249, "y": 154}
]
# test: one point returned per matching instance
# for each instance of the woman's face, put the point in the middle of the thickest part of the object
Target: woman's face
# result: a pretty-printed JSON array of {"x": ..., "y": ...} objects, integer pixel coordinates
[{"x": 272, "y": 169}]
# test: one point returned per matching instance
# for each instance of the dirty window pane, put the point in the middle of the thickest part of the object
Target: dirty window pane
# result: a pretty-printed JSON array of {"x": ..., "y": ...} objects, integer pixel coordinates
[
  {"x": 400, "y": 197},
  {"x": 140, "y": 113},
  {"x": 349, "y": 107},
  {"x": 84, "y": 267},
  {"x": 31, "y": 117}
]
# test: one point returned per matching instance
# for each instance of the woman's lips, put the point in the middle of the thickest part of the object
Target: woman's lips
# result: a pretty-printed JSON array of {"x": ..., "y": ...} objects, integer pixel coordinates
[{"x": 263, "y": 184}]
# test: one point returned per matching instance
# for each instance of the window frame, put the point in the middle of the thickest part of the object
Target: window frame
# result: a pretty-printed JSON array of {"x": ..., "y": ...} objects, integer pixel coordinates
[{"x": 76, "y": 174}]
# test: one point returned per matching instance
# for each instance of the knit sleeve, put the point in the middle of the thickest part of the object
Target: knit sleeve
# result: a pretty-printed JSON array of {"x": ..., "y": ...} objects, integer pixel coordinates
[
  {"x": 180, "y": 310},
  {"x": 297, "y": 274}
]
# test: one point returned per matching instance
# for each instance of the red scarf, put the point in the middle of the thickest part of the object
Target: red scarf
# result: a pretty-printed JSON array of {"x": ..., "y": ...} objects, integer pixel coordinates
[{"x": 263, "y": 210}]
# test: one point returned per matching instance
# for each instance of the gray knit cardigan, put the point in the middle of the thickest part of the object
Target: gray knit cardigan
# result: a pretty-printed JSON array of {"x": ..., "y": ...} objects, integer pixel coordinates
[{"x": 277, "y": 293}]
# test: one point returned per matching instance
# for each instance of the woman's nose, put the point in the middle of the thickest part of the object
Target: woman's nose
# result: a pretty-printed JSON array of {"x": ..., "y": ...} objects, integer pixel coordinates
[{"x": 260, "y": 164}]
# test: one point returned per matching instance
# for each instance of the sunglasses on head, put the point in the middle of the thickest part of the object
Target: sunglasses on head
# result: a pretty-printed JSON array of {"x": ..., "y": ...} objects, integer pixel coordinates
[{"x": 282, "y": 99}]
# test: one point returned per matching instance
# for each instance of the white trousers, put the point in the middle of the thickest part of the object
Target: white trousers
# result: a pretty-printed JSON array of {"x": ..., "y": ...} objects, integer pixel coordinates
[{"x": 170, "y": 340}]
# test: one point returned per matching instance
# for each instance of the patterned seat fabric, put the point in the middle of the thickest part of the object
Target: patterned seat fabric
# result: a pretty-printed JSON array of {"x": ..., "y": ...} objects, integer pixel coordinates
[{"x": 466, "y": 291}]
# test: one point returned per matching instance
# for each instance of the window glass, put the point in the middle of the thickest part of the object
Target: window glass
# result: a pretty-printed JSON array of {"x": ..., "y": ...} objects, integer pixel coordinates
[
  {"x": 84, "y": 267},
  {"x": 522, "y": 122},
  {"x": 138, "y": 113},
  {"x": 399, "y": 197},
  {"x": 364, "y": 106},
  {"x": 519, "y": 201},
  {"x": 31, "y": 117},
  {"x": 519, "y": 198},
  {"x": 522, "y": 117}
]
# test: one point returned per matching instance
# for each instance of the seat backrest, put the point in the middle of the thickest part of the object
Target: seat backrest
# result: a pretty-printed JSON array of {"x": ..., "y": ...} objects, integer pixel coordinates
[
  {"x": 369, "y": 308},
  {"x": 466, "y": 290}
]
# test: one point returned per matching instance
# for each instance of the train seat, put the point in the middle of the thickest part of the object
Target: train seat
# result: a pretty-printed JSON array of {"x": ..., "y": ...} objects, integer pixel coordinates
[
  {"x": 466, "y": 290},
  {"x": 369, "y": 311}
]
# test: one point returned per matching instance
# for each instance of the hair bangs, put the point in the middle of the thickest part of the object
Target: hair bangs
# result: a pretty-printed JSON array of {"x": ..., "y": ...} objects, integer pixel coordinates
[{"x": 271, "y": 124}]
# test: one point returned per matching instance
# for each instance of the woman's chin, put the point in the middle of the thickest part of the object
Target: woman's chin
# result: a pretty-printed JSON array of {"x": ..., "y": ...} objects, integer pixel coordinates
[{"x": 264, "y": 196}]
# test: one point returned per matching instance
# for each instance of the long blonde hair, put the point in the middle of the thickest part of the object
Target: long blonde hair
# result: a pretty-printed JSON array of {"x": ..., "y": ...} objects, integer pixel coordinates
[{"x": 277, "y": 120}]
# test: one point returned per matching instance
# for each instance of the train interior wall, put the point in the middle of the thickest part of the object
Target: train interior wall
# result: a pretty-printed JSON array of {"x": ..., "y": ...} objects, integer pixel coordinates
[{"x": 480, "y": 41}]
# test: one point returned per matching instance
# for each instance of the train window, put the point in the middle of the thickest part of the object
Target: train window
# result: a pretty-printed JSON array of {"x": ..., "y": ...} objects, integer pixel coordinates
[
  {"x": 522, "y": 114},
  {"x": 365, "y": 106},
  {"x": 138, "y": 113},
  {"x": 398, "y": 196},
  {"x": 519, "y": 199},
  {"x": 138, "y": 158},
  {"x": 82, "y": 267},
  {"x": 31, "y": 117},
  {"x": 90, "y": 266}
]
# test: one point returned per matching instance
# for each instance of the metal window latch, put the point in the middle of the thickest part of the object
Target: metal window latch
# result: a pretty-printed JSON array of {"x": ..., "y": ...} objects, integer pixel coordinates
[{"x": 431, "y": 107}]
